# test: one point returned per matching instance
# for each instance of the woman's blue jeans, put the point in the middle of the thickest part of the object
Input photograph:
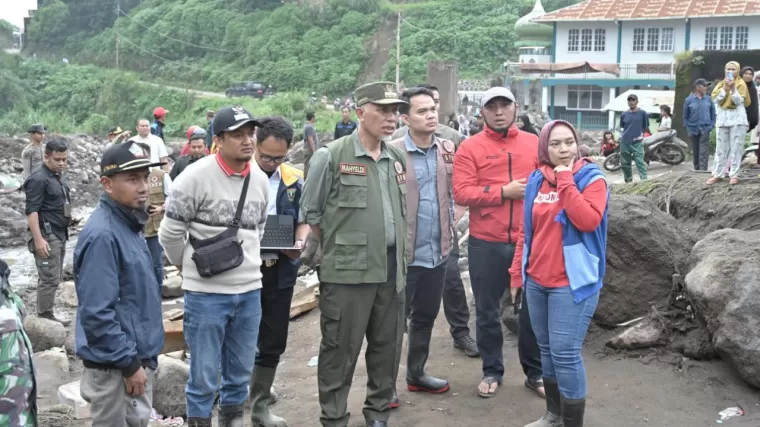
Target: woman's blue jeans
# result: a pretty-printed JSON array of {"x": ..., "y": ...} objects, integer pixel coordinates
[{"x": 560, "y": 326}]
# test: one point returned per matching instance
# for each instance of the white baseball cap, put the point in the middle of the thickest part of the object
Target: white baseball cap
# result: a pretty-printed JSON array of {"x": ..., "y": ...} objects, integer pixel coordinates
[{"x": 496, "y": 92}]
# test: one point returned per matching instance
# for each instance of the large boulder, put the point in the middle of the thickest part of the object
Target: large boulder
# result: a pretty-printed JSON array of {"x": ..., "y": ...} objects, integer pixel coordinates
[
  {"x": 645, "y": 247},
  {"x": 723, "y": 284},
  {"x": 44, "y": 333},
  {"x": 169, "y": 387}
]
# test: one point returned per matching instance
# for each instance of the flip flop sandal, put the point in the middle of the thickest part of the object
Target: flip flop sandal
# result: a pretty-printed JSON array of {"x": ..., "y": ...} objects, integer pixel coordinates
[
  {"x": 490, "y": 381},
  {"x": 535, "y": 385}
]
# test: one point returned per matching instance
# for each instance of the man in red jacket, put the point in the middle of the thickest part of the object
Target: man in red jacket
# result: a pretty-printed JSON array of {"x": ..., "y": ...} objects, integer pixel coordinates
[{"x": 490, "y": 172}]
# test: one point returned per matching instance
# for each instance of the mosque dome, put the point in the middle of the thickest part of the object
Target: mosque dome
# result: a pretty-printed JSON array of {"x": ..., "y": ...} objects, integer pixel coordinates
[{"x": 531, "y": 33}]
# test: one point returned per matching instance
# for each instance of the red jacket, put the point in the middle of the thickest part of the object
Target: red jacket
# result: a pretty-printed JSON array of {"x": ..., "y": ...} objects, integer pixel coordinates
[{"x": 484, "y": 163}]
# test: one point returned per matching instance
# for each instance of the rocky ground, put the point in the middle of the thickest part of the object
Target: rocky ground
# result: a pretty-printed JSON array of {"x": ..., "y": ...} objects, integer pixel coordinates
[{"x": 674, "y": 342}]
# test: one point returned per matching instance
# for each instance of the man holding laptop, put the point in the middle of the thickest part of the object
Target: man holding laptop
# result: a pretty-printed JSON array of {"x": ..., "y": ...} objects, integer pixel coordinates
[{"x": 280, "y": 259}]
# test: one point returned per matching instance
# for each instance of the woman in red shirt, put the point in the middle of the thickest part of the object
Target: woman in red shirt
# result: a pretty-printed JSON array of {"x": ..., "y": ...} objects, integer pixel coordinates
[{"x": 560, "y": 255}]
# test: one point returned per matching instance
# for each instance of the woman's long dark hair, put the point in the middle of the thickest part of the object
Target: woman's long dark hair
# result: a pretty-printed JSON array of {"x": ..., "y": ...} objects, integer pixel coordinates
[
  {"x": 604, "y": 136},
  {"x": 527, "y": 125}
]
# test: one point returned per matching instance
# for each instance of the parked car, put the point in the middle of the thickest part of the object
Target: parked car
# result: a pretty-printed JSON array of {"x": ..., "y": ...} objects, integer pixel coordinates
[{"x": 254, "y": 89}]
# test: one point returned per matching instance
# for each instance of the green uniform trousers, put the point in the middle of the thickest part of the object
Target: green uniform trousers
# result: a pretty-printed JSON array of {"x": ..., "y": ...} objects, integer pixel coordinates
[
  {"x": 635, "y": 152},
  {"x": 349, "y": 313}
]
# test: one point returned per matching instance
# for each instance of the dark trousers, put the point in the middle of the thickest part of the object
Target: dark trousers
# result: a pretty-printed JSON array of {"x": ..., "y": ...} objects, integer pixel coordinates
[
  {"x": 349, "y": 312},
  {"x": 157, "y": 253},
  {"x": 424, "y": 289},
  {"x": 527, "y": 346},
  {"x": 489, "y": 272},
  {"x": 454, "y": 297},
  {"x": 275, "y": 318},
  {"x": 700, "y": 150}
]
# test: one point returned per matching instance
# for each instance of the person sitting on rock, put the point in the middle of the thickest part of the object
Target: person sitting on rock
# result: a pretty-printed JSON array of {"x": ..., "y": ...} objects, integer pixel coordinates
[
  {"x": 562, "y": 238},
  {"x": 18, "y": 387}
]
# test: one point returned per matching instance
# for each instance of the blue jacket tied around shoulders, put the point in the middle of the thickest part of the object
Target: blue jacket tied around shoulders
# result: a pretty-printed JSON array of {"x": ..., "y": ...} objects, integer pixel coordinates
[{"x": 585, "y": 253}]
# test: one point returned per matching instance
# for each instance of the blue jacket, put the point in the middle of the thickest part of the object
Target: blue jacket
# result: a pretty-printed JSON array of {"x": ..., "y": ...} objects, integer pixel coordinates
[
  {"x": 585, "y": 253},
  {"x": 288, "y": 203},
  {"x": 698, "y": 114},
  {"x": 119, "y": 321},
  {"x": 157, "y": 128}
]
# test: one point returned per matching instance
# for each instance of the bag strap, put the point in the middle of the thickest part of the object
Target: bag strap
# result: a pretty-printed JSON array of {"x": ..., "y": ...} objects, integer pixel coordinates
[{"x": 241, "y": 203}]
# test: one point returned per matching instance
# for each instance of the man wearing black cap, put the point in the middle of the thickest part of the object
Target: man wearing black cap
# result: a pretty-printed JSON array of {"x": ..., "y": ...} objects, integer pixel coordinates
[
  {"x": 353, "y": 200},
  {"x": 31, "y": 155},
  {"x": 699, "y": 120},
  {"x": 633, "y": 123},
  {"x": 116, "y": 136},
  {"x": 222, "y": 306},
  {"x": 119, "y": 330}
]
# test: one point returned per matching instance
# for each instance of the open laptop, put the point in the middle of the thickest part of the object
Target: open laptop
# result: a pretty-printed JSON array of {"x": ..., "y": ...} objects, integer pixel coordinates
[{"x": 279, "y": 233}]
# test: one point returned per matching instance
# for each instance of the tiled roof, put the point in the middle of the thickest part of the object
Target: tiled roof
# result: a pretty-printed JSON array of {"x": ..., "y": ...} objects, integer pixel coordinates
[{"x": 624, "y": 10}]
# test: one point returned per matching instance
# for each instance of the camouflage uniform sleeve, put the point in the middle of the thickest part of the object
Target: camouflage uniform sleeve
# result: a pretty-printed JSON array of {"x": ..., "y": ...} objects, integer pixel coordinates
[{"x": 17, "y": 386}]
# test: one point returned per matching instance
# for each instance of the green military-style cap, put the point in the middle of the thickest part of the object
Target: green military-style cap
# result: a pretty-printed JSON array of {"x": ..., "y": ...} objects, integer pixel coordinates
[{"x": 381, "y": 93}]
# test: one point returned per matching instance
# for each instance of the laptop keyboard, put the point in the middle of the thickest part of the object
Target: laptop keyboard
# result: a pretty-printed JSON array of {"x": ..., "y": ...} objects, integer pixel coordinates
[{"x": 279, "y": 232}]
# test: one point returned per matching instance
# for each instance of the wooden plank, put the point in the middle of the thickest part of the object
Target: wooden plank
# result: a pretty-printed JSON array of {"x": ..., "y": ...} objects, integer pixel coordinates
[
  {"x": 174, "y": 314},
  {"x": 174, "y": 338}
]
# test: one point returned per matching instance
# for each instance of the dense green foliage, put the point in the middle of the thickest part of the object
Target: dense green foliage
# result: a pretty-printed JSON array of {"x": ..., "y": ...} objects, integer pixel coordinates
[
  {"x": 71, "y": 98},
  {"x": 319, "y": 45}
]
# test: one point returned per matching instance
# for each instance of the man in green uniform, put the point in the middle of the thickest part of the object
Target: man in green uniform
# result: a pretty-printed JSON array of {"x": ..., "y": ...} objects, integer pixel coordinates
[
  {"x": 354, "y": 202},
  {"x": 18, "y": 391}
]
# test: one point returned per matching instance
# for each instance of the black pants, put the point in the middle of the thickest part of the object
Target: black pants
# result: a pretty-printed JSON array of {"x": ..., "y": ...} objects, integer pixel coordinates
[
  {"x": 424, "y": 288},
  {"x": 700, "y": 150},
  {"x": 454, "y": 297},
  {"x": 489, "y": 271},
  {"x": 275, "y": 318}
]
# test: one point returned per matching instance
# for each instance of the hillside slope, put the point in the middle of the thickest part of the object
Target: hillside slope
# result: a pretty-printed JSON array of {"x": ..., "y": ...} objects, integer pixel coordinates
[{"x": 326, "y": 46}]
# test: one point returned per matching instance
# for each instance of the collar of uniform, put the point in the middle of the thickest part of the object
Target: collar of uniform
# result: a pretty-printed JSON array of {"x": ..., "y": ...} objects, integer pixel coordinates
[
  {"x": 412, "y": 147},
  {"x": 290, "y": 175},
  {"x": 228, "y": 170},
  {"x": 360, "y": 151}
]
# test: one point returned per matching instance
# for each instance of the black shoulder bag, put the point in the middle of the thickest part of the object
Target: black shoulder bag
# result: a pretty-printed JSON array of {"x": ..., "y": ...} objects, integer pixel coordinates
[{"x": 222, "y": 252}]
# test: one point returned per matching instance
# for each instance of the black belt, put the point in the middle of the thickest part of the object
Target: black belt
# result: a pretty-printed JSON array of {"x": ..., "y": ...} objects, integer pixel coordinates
[{"x": 147, "y": 363}]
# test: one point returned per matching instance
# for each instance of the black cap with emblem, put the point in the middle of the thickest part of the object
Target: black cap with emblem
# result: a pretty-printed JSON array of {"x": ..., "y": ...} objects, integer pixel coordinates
[
  {"x": 126, "y": 157},
  {"x": 231, "y": 118}
]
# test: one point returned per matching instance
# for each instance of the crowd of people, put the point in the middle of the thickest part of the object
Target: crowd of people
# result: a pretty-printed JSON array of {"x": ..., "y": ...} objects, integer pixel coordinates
[{"x": 381, "y": 201}]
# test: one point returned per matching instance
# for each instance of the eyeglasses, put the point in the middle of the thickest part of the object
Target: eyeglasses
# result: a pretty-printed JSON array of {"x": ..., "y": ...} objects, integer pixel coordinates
[{"x": 270, "y": 159}]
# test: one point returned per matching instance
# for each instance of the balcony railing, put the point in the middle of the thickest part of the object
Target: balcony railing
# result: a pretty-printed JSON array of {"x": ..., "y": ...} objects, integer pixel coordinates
[{"x": 592, "y": 71}]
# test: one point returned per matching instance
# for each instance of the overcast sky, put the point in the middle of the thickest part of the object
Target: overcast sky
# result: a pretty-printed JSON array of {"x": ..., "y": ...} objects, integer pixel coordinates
[{"x": 14, "y": 11}]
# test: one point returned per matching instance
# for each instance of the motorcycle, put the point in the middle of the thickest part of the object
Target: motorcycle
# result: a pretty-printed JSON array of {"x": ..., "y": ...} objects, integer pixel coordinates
[{"x": 661, "y": 147}]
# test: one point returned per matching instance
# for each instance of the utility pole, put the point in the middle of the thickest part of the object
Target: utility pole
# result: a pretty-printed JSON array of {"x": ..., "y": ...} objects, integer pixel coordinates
[
  {"x": 118, "y": 37},
  {"x": 398, "y": 48}
]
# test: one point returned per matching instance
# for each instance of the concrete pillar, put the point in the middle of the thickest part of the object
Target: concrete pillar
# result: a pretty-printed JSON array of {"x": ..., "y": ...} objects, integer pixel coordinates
[
  {"x": 443, "y": 75},
  {"x": 545, "y": 99},
  {"x": 526, "y": 93},
  {"x": 611, "y": 120}
]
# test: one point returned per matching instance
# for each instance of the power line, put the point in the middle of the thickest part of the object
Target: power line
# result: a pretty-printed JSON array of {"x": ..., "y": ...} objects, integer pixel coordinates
[{"x": 170, "y": 37}]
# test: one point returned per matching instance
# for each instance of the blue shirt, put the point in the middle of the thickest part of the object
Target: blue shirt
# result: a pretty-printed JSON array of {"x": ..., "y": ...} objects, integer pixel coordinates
[
  {"x": 427, "y": 245},
  {"x": 698, "y": 114},
  {"x": 633, "y": 124}
]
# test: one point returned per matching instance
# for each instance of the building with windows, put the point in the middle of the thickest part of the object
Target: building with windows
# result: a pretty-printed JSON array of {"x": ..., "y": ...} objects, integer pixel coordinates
[{"x": 602, "y": 48}]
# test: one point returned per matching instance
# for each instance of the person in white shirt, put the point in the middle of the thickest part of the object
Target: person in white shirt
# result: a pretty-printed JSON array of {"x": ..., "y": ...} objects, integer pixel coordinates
[
  {"x": 158, "y": 151},
  {"x": 666, "y": 121}
]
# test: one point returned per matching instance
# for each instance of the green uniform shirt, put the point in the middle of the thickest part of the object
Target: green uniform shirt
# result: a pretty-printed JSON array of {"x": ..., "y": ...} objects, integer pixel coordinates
[
  {"x": 360, "y": 206},
  {"x": 17, "y": 382}
]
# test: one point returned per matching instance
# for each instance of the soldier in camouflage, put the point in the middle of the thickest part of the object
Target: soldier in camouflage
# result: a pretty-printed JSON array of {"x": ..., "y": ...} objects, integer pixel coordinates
[{"x": 18, "y": 391}]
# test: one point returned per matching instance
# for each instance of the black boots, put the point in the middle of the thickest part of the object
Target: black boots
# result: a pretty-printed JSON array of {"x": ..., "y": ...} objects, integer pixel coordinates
[
  {"x": 572, "y": 412},
  {"x": 416, "y": 379},
  {"x": 554, "y": 406},
  {"x": 231, "y": 416},
  {"x": 261, "y": 394}
]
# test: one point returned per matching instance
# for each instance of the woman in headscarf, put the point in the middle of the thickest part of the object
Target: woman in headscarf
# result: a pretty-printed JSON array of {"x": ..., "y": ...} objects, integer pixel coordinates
[
  {"x": 748, "y": 74},
  {"x": 559, "y": 260},
  {"x": 523, "y": 122},
  {"x": 732, "y": 98}
]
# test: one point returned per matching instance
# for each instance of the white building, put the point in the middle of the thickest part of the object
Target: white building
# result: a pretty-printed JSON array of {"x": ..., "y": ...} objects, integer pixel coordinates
[{"x": 602, "y": 48}]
